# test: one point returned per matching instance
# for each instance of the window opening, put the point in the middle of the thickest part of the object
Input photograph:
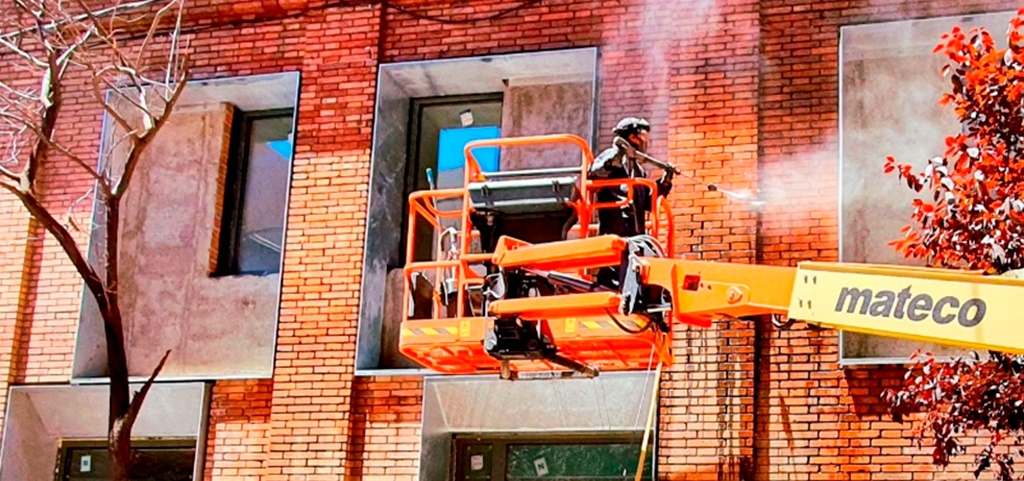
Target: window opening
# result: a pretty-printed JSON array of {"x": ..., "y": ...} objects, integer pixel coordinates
[
  {"x": 546, "y": 458},
  {"x": 440, "y": 127},
  {"x": 256, "y": 193},
  {"x": 163, "y": 460}
]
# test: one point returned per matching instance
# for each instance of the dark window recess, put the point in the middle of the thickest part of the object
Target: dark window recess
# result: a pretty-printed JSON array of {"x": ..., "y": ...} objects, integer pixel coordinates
[
  {"x": 547, "y": 458},
  {"x": 153, "y": 461},
  {"x": 429, "y": 117},
  {"x": 256, "y": 193}
]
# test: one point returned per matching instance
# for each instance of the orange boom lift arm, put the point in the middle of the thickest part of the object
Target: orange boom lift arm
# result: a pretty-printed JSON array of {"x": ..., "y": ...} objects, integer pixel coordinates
[{"x": 509, "y": 284}]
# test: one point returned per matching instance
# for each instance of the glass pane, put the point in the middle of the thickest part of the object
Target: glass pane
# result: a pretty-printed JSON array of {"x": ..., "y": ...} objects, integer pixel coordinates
[
  {"x": 266, "y": 188},
  {"x": 150, "y": 464},
  {"x": 547, "y": 462},
  {"x": 87, "y": 464},
  {"x": 164, "y": 464}
]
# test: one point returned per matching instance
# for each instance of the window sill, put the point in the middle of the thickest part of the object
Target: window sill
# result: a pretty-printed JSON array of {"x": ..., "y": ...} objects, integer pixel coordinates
[{"x": 385, "y": 372}]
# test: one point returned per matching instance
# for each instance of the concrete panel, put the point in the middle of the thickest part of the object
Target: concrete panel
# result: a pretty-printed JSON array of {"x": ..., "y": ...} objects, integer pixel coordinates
[
  {"x": 216, "y": 327},
  {"x": 39, "y": 417},
  {"x": 248, "y": 93},
  {"x": 25, "y": 442},
  {"x": 541, "y": 109},
  {"x": 474, "y": 75},
  {"x": 890, "y": 86},
  {"x": 384, "y": 219}
]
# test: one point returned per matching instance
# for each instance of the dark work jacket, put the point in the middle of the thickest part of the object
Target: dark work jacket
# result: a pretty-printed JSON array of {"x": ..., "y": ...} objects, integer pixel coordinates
[{"x": 628, "y": 220}]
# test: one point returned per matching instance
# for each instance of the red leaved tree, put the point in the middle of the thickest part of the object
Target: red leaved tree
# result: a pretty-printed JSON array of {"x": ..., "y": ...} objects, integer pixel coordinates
[{"x": 973, "y": 220}]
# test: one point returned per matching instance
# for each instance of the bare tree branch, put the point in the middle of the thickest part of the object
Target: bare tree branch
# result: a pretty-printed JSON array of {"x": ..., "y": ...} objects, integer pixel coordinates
[
  {"x": 21, "y": 53},
  {"x": 104, "y": 184},
  {"x": 72, "y": 222},
  {"x": 12, "y": 143},
  {"x": 78, "y": 18},
  {"x": 124, "y": 84},
  {"x": 4, "y": 171},
  {"x": 107, "y": 171},
  {"x": 106, "y": 33},
  {"x": 172, "y": 57},
  {"x": 64, "y": 238},
  {"x": 136, "y": 151},
  {"x": 65, "y": 59},
  {"x": 124, "y": 95},
  {"x": 97, "y": 93},
  {"x": 51, "y": 96},
  {"x": 140, "y": 397},
  {"x": 152, "y": 31},
  {"x": 113, "y": 237},
  {"x": 26, "y": 105},
  {"x": 17, "y": 93}
]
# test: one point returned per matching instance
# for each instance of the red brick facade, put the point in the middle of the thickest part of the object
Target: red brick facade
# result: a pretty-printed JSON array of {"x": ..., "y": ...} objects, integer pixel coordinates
[{"x": 741, "y": 92}]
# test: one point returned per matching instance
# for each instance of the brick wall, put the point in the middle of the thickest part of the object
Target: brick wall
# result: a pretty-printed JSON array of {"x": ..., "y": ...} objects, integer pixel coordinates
[
  {"x": 51, "y": 288},
  {"x": 384, "y": 435},
  {"x": 15, "y": 256},
  {"x": 239, "y": 430},
  {"x": 39, "y": 290},
  {"x": 313, "y": 378},
  {"x": 743, "y": 93},
  {"x": 222, "y": 175}
]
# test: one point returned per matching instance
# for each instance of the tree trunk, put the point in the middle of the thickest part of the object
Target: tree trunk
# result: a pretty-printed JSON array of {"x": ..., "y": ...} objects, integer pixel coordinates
[
  {"x": 119, "y": 435},
  {"x": 121, "y": 416},
  {"x": 111, "y": 70},
  {"x": 120, "y": 447}
]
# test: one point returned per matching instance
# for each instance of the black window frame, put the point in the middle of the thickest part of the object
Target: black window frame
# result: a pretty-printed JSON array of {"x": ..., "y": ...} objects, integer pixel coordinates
[
  {"x": 234, "y": 187},
  {"x": 500, "y": 443},
  {"x": 414, "y": 135},
  {"x": 65, "y": 447}
]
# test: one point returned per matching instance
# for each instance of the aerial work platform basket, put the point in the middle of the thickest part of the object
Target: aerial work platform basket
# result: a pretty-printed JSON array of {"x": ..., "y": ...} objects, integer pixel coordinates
[{"x": 510, "y": 284}]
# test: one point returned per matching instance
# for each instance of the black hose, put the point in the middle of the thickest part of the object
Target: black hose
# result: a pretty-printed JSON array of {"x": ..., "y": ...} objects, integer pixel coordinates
[{"x": 626, "y": 329}]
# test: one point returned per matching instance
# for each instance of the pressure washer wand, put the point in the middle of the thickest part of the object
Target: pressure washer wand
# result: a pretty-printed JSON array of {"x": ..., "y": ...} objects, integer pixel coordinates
[
  {"x": 712, "y": 187},
  {"x": 647, "y": 159}
]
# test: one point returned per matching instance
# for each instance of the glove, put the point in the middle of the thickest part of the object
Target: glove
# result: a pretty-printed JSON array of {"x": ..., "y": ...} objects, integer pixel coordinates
[{"x": 665, "y": 184}]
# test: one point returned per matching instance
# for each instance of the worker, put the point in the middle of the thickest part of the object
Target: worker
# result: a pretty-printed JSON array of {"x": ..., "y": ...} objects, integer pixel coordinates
[{"x": 620, "y": 162}]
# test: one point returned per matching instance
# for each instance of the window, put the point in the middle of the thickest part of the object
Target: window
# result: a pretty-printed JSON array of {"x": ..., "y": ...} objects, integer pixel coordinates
[
  {"x": 255, "y": 193},
  {"x": 171, "y": 460},
  {"x": 424, "y": 113},
  {"x": 594, "y": 458},
  {"x": 888, "y": 106},
  {"x": 440, "y": 127},
  {"x": 190, "y": 223}
]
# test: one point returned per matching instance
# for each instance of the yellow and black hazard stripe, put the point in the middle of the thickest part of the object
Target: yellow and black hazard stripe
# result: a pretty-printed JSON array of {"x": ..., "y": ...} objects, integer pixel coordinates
[
  {"x": 431, "y": 331},
  {"x": 572, "y": 324},
  {"x": 463, "y": 330}
]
